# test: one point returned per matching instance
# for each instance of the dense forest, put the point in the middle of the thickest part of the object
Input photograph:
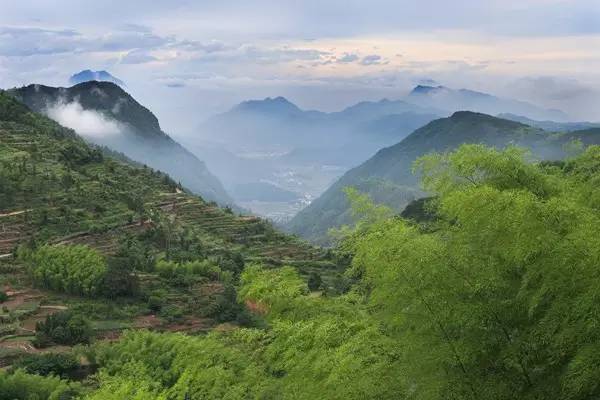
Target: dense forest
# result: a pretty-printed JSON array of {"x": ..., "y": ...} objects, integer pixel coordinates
[{"x": 118, "y": 284}]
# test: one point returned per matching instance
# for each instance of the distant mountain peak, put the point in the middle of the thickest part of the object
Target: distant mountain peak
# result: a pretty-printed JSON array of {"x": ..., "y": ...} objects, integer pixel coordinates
[
  {"x": 277, "y": 104},
  {"x": 89, "y": 75},
  {"x": 445, "y": 98},
  {"x": 278, "y": 99},
  {"x": 426, "y": 89},
  {"x": 458, "y": 115}
]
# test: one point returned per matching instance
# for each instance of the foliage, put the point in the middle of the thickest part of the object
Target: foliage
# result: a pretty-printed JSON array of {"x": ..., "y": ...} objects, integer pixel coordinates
[
  {"x": 314, "y": 281},
  {"x": 70, "y": 269},
  {"x": 498, "y": 301},
  {"x": 500, "y": 295},
  {"x": 3, "y": 296},
  {"x": 59, "y": 364},
  {"x": 174, "y": 270},
  {"x": 22, "y": 386},
  {"x": 63, "y": 328},
  {"x": 325, "y": 349},
  {"x": 120, "y": 278}
]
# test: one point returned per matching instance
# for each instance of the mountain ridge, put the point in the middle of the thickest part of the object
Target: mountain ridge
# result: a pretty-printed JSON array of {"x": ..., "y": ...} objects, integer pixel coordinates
[
  {"x": 138, "y": 135},
  {"x": 392, "y": 165},
  {"x": 452, "y": 100}
]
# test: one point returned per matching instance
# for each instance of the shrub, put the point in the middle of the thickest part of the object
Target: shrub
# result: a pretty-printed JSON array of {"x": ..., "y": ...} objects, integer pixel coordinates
[
  {"x": 120, "y": 279},
  {"x": 23, "y": 386},
  {"x": 314, "y": 281},
  {"x": 156, "y": 300},
  {"x": 58, "y": 364},
  {"x": 172, "y": 313},
  {"x": 173, "y": 270},
  {"x": 3, "y": 296},
  {"x": 63, "y": 328}
]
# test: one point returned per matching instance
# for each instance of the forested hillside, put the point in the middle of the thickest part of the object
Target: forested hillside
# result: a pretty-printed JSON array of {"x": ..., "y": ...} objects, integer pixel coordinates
[
  {"x": 492, "y": 300},
  {"x": 91, "y": 245},
  {"x": 328, "y": 200},
  {"x": 387, "y": 176},
  {"x": 103, "y": 113},
  {"x": 495, "y": 297}
]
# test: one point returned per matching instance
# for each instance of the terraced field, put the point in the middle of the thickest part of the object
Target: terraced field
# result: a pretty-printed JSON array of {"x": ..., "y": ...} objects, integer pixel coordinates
[{"x": 55, "y": 189}]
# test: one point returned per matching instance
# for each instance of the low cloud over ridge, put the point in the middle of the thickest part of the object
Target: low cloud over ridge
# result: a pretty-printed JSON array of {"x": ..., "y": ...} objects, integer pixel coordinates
[{"x": 87, "y": 123}]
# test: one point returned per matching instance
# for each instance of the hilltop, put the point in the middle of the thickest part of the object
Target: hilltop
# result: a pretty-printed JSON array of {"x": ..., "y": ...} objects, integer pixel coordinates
[
  {"x": 89, "y": 75},
  {"x": 105, "y": 114}
]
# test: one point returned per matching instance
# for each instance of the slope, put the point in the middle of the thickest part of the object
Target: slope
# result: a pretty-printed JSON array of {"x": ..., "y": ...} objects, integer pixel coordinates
[
  {"x": 105, "y": 114},
  {"x": 55, "y": 189},
  {"x": 387, "y": 176},
  {"x": 551, "y": 126}
]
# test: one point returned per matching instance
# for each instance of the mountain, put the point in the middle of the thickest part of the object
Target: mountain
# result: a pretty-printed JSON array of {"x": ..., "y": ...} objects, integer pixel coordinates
[
  {"x": 305, "y": 151},
  {"x": 104, "y": 114},
  {"x": 58, "y": 187},
  {"x": 140, "y": 252},
  {"x": 276, "y": 124},
  {"x": 89, "y": 75},
  {"x": 277, "y": 106},
  {"x": 587, "y": 137},
  {"x": 300, "y": 151},
  {"x": 373, "y": 110},
  {"x": 451, "y": 100},
  {"x": 550, "y": 126},
  {"x": 387, "y": 176}
]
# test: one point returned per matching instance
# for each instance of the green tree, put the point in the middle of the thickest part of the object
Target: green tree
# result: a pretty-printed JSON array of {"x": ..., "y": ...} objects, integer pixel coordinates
[
  {"x": 71, "y": 269},
  {"x": 64, "y": 327}
]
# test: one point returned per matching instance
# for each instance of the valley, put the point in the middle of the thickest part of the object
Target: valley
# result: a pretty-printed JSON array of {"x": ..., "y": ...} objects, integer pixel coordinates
[
  {"x": 306, "y": 151},
  {"x": 117, "y": 281},
  {"x": 300, "y": 200}
]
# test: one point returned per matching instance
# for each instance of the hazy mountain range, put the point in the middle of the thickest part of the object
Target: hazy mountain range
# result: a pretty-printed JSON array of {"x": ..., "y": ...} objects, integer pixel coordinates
[
  {"x": 299, "y": 151},
  {"x": 275, "y": 158},
  {"x": 464, "y": 99},
  {"x": 387, "y": 176},
  {"x": 551, "y": 126},
  {"x": 304, "y": 151}
]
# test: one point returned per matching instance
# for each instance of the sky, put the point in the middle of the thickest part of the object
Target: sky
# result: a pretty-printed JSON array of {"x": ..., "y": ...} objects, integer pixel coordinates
[{"x": 187, "y": 60}]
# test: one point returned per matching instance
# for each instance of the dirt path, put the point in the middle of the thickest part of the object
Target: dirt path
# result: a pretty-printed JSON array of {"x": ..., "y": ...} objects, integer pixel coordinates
[
  {"x": 14, "y": 213},
  {"x": 18, "y": 298}
]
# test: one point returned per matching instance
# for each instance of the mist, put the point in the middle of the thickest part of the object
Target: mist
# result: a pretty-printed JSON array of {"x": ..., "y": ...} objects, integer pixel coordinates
[{"x": 91, "y": 124}]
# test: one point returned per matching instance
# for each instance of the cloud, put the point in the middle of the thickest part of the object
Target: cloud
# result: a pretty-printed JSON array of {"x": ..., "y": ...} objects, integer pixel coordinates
[
  {"x": 134, "y": 28},
  {"x": 211, "y": 46},
  {"x": 285, "y": 54},
  {"x": 428, "y": 82},
  {"x": 347, "y": 58},
  {"x": 576, "y": 98},
  {"x": 87, "y": 123},
  {"x": 27, "y": 41},
  {"x": 137, "y": 57},
  {"x": 175, "y": 85},
  {"x": 372, "y": 59},
  {"x": 119, "y": 41}
]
